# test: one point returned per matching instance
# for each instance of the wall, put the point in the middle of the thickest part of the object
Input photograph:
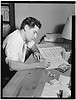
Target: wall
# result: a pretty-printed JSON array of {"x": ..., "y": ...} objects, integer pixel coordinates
[
  {"x": 75, "y": 25},
  {"x": 75, "y": 49},
  {"x": 49, "y": 14},
  {"x": 0, "y": 54}
]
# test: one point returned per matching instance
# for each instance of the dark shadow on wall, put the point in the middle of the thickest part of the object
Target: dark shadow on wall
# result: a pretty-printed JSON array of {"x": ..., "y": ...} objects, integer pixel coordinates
[{"x": 59, "y": 28}]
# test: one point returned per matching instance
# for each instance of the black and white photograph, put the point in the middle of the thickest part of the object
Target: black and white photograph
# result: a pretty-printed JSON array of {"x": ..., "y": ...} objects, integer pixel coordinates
[{"x": 37, "y": 49}]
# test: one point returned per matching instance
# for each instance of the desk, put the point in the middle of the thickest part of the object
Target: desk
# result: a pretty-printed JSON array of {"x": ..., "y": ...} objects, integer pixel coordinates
[{"x": 29, "y": 83}]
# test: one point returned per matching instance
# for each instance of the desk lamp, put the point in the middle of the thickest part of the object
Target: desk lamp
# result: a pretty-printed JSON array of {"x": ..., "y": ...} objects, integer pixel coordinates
[{"x": 67, "y": 33}]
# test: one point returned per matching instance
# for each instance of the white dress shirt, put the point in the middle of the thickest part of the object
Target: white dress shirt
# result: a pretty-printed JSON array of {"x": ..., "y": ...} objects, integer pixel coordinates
[{"x": 13, "y": 45}]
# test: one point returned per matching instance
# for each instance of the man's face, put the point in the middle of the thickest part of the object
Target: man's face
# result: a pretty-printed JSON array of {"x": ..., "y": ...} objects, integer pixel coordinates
[{"x": 31, "y": 33}]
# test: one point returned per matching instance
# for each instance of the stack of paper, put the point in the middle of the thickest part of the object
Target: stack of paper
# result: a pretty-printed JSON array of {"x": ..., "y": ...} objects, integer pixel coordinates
[
  {"x": 48, "y": 91},
  {"x": 52, "y": 88},
  {"x": 64, "y": 80}
]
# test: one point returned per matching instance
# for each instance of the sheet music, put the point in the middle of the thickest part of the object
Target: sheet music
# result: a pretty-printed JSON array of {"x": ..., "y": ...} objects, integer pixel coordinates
[
  {"x": 52, "y": 55},
  {"x": 55, "y": 62},
  {"x": 50, "y": 52}
]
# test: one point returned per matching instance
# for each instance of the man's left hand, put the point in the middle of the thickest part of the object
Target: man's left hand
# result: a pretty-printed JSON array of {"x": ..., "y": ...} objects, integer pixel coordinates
[{"x": 37, "y": 56}]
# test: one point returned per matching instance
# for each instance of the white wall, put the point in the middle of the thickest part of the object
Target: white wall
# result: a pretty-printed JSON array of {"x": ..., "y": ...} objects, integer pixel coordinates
[{"x": 50, "y": 15}]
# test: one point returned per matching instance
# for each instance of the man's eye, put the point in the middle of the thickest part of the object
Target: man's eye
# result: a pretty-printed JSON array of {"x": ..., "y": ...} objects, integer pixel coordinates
[{"x": 34, "y": 32}]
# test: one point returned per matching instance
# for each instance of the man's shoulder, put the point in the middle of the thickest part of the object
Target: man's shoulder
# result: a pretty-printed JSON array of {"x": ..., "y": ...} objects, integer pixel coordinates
[
  {"x": 16, "y": 32},
  {"x": 13, "y": 35}
]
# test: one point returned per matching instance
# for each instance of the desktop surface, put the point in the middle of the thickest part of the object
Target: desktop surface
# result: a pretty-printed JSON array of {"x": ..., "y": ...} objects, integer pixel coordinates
[{"x": 30, "y": 83}]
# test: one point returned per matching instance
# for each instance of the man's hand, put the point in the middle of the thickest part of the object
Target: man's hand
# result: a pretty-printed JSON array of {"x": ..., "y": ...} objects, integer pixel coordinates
[
  {"x": 37, "y": 56},
  {"x": 42, "y": 64}
]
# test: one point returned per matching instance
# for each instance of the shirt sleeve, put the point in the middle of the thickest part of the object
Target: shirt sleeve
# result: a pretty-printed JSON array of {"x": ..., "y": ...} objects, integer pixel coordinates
[{"x": 11, "y": 50}]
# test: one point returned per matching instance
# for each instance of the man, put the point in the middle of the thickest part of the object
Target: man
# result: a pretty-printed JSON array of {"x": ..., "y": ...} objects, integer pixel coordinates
[{"x": 17, "y": 42}]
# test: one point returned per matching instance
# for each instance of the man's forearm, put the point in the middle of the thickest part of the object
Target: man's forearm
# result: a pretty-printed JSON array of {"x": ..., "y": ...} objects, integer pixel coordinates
[
  {"x": 34, "y": 48},
  {"x": 15, "y": 65}
]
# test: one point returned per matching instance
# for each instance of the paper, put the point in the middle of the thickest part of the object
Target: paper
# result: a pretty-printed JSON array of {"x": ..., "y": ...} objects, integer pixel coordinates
[
  {"x": 52, "y": 37},
  {"x": 50, "y": 52},
  {"x": 54, "y": 82},
  {"x": 53, "y": 90},
  {"x": 48, "y": 92},
  {"x": 64, "y": 80},
  {"x": 55, "y": 62}
]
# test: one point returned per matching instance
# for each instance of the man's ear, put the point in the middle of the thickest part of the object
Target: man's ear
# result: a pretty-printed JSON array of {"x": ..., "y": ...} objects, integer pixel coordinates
[{"x": 26, "y": 27}]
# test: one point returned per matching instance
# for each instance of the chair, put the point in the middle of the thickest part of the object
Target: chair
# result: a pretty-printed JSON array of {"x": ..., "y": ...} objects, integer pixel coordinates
[{"x": 6, "y": 74}]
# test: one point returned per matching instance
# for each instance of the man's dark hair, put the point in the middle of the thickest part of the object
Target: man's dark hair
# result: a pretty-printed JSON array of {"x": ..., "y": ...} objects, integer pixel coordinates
[{"x": 31, "y": 22}]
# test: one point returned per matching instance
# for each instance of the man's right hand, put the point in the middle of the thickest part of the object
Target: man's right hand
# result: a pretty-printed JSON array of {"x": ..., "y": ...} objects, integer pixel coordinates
[{"x": 42, "y": 64}]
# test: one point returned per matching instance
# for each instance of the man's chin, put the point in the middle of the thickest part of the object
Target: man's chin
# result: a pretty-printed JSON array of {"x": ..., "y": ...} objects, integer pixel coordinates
[{"x": 29, "y": 40}]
